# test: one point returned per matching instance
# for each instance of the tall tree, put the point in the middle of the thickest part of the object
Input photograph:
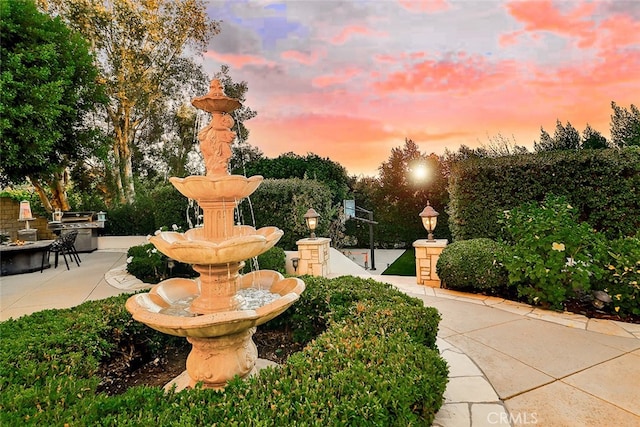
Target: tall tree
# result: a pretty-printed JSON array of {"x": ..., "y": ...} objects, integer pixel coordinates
[
  {"x": 140, "y": 47},
  {"x": 408, "y": 179},
  {"x": 546, "y": 143},
  {"x": 625, "y": 126},
  {"x": 592, "y": 139},
  {"x": 564, "y": 138},
  {"x": 47, "y": 87}
]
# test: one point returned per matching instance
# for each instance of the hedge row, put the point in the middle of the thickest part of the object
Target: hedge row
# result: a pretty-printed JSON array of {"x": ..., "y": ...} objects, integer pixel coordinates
[
  {"x": 283, "y": 202},
  {"x": 374, "y": 362},
  {"x": 602, "y": 184}
]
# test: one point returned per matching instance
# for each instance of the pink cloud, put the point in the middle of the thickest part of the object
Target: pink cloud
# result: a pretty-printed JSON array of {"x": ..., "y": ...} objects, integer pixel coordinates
[
  {"x": 509, "y": 39},
  {"x": 236, "y": 61},
  {"x": 428, "y": 6},
  {"x": 400, "y": 57},
  {"x": 352, "y": 30},
  {"x": 464, "y": 73},
  {"x": 618, "y": 31},
  {"x": 386, "y": 58},
  {"x": 302, "y": 57},
  {"x": 543, "y": 15},
  {"x": 339, "y": 77}
]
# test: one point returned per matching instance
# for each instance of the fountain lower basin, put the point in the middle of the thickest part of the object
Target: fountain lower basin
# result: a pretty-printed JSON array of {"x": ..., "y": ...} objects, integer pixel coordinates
[
  {"x": 146, "y": 307},
  {"x": 225, "y": 334}
]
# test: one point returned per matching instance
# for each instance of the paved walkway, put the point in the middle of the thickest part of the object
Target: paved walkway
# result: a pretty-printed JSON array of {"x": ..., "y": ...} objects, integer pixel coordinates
[{"x": 510, "y": 364}]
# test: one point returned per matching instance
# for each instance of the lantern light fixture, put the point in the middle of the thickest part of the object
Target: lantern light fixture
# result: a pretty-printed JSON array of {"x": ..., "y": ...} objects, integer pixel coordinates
[
  {"x": 311, "y": 218},
  {"x": 429, "y": 220}
]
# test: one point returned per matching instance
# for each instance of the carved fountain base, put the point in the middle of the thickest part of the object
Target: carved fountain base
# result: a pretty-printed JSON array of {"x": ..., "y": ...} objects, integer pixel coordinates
[{"x": 214, "y": 361}]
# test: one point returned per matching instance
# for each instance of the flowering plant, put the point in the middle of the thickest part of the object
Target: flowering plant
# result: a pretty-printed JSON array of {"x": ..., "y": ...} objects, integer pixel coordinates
[
  {"x": 550, "y": 256},
  {"x": 622, "y": 276}
]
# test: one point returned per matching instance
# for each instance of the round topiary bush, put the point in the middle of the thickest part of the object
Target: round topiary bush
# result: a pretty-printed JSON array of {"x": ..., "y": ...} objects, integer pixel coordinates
[{"x": 472, "y": 265}]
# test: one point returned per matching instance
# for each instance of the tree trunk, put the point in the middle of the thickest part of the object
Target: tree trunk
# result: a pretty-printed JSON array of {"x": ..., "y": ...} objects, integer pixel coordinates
[
  {"x": 124, "y": 135},
  {"x": 58, "y": 199},
  {"x": 58, "y": 191},
  {"x": 41, "y": 193}
]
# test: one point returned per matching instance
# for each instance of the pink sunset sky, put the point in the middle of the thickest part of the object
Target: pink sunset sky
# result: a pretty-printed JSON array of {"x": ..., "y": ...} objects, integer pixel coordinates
[{"x": 350, "y": 80}]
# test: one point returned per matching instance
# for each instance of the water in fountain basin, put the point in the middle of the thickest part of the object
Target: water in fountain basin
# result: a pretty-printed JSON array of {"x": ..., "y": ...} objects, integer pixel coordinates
[
  {"x": 252, "y": 299},
  {"x": 255, "y": 298}
]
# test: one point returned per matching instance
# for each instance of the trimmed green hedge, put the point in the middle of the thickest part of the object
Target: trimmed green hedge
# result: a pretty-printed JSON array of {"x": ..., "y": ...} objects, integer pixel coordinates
[
  {"x": 283, "y": 202},
  {"x": 371, "y": 361},
  {"x": 601, "y": 184},
  {"x": 274, "y": 259},
  {"x": 472, "y": 265}
]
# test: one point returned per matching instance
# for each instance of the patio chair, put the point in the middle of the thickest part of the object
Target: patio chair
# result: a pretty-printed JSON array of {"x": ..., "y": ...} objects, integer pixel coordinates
[{"x": 65, "y": 245}]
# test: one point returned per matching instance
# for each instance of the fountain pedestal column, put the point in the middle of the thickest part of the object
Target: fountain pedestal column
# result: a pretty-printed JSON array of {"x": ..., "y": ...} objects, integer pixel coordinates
[
  {"x": 214, "y": 361},
  {"x": 218, "y": 288}
]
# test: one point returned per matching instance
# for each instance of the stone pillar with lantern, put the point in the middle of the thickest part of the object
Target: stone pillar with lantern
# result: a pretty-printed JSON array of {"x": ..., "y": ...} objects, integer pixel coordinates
[
  {"x": 428, "y": 250},
  {"x": 313, "y": 252},
  {"x": 27, "y": 234}
]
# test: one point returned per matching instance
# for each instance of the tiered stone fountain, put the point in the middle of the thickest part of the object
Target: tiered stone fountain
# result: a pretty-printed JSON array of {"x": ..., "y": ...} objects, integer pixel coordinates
[{"x": 218, "y": 312}]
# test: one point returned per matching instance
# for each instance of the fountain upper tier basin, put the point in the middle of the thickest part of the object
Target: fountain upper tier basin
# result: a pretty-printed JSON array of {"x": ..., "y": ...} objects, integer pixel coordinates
[
  {"x": 146, "y": 307},
  {"x": 242, "y": 243},
  {"x": 223, "y": 188}
]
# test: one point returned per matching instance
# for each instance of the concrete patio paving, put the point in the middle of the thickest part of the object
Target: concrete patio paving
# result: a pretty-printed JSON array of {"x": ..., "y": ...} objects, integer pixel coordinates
[{"x": 510, "y": 364}]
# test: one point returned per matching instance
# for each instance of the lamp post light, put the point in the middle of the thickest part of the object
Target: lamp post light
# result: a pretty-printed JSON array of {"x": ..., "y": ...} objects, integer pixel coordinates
[
  {"x": 429, "y": 220},
  {"x": 311, "y": 218}
]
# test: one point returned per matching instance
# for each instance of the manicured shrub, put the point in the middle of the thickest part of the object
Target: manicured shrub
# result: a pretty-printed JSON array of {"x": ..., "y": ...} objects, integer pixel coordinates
[
  {"x": 151, "y": 266},
  {"x": 274, "y": 259},
  {"x": 551, "y": 257},
  {"x": 473, "y": 265},
  {"x": 600, "y": 184},
  {"x": 373, "y": 362}
]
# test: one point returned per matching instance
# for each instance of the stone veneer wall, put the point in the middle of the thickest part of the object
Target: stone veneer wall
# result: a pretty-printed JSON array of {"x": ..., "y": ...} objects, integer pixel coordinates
[{"x": 9, "y": 213}]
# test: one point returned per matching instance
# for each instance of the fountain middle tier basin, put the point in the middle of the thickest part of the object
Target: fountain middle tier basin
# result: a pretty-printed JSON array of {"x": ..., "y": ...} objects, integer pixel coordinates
[
  {"x": 150, "y": 308},
  {"x": 224, "y": 188},
  {"x": 242, "y": 243}
]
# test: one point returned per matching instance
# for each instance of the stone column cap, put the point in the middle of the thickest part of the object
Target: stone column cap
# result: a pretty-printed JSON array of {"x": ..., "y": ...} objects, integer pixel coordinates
[
  {"x": 317, "y": 241},
  {"x": 437, "y": 243}
]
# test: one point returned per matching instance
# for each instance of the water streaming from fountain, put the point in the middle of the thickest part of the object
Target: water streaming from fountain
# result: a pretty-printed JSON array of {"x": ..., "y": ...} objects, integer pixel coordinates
[{"x": 219, "y": 310}]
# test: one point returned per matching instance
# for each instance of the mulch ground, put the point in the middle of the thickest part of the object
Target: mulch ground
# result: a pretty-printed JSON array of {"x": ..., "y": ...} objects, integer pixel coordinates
[{"x": 129, "y": 368}]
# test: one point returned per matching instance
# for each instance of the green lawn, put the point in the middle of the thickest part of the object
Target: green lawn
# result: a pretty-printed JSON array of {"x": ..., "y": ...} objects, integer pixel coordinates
[{"x": 405, "y": 265}]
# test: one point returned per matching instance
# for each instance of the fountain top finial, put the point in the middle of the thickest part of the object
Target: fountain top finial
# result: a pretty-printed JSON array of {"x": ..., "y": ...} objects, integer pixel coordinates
[
  {"x": 215, "y": 88},
  {"x": 216, "y": 101}
]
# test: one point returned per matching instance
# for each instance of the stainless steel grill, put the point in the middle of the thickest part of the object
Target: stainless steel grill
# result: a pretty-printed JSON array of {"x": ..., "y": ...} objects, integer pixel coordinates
[{"x": 85, "y": 223}]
